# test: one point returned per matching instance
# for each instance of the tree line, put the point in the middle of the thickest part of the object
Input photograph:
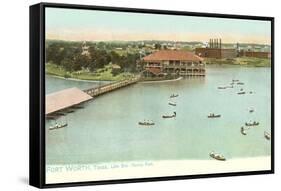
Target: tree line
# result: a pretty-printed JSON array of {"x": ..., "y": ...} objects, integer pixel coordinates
[{"x": 69, "y": 56}]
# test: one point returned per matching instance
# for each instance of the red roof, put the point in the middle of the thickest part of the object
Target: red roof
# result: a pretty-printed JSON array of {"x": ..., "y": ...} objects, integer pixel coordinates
[
  {"x": 154, "y": 71},
  {"x": 172, "y": 55}
]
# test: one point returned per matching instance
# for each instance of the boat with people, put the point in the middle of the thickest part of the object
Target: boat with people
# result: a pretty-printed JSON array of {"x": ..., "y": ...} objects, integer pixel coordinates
[
  {"x": 57, "y": 126},
  {"x": 254, "y": 123},
  {"x": 174, "y": 95},
  {"x": 240, "y": 83},
  {"x": 267, "y": 135},
  {"x": 243, "y": 131},
  {"x": 172, "y": 103},
  {"x": 147, "y": 123},
  {"x": 241, "y": 93},
  {"x": 170, "y": 116},
  {"x": 212, "y": 115},
  {"x": 217, "y": 156}
]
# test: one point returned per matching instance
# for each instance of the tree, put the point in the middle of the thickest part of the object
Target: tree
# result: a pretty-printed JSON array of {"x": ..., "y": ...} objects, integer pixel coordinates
[{"x": 157, "y": 46}]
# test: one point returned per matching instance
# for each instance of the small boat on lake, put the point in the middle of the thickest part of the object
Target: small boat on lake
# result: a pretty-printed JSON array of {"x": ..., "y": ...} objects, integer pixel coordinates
[
  {"x": 57, "y": 126},
  {"x": 251, "y": 110},
  {"x": 235, "y": 80},
  {"x": 240, "y": 83},
  {"x": 170, "y": 116},
  {"x": 172, "y": 103},
  {"x": 241, "y": 93},
  {"x": 255, "y": 123},
  {"x": 243, "y": 131},
  {"x": 217, "y": 156},
  {"x": 174, "y": 95},
  {"x": 222, "y": 87},
  {"x": 146, "y": 123},
  {"x": 212, "y": 115},
  {"x": 267, "y": 135}
]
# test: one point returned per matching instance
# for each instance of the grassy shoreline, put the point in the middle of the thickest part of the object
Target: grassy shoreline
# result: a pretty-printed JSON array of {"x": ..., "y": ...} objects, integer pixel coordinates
[
  {"x": 105, "y": 74},
  {"x": 240, "y": 61},
  {"x": 100, "y": 75}
]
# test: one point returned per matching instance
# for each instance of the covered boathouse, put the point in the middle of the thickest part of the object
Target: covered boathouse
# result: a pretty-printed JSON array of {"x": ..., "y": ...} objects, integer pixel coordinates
[
  {"x": 173, "y": 62},
  {"x": 64, "y": 99}
]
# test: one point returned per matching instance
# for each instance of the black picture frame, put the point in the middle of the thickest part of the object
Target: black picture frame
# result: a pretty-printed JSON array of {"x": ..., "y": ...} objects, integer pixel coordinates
[{"x": 37, "y": 94}]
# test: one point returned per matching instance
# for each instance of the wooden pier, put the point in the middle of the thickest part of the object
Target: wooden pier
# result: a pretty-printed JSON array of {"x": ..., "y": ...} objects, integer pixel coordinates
[
  {"x": 58, "y": 103},
  {"x": 96, "y": 91}
]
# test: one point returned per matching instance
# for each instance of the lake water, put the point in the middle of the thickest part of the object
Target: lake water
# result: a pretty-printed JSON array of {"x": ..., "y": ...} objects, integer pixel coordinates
[{"x": 107, "y": 129}]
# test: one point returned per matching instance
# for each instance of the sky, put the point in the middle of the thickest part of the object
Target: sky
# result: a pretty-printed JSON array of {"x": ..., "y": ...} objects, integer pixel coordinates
[{"x": 94, "y": 25}]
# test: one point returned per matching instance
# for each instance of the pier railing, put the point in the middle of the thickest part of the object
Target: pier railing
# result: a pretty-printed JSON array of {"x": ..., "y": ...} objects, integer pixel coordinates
[{"x": 96, "y": 91}]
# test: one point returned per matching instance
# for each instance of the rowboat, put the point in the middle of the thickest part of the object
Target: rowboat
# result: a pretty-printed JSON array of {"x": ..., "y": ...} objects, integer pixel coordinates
[
  {"x": 217, "y": 156},
  {"x": 267, "y": 135},
  {"x": 252, "y": 124},
  {"x": 169, "y": 116},
  {"x": 240, "y": 93},
  {"x": 172, "y": 103},
  {"x": 212, "y": 115},
  {"x": 57, "y": 126},
  {"x": 240, "y": 83},
  {"x": 146, "y": 123},
  {"x": 243, "y": 131},
  {"x": 174, "y": 95}
]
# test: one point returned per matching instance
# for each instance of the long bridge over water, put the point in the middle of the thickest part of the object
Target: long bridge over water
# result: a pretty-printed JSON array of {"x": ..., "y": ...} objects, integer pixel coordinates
[{"x": 72, "y": 97}]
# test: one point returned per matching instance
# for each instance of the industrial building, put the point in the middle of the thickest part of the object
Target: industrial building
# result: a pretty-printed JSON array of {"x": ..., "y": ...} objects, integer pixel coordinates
[
  {"x": 255, "y": 54},
  {"x": 215, "y": 50}
]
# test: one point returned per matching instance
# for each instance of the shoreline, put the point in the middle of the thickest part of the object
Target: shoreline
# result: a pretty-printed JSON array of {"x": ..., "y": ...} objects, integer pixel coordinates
[
  {"x": 145, "y": 169},
  {"x": 79, "y": 80},
  {"x": 161, "y": 81}
]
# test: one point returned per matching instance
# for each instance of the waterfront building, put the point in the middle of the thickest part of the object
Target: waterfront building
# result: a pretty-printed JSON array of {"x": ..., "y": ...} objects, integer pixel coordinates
[{"x": 172, "y": 62}]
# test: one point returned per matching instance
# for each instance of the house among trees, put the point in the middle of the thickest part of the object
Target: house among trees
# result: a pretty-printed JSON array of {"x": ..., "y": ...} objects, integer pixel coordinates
[
  {"x": 172, "y": 62},
  {"x": 85, "y": 49}
]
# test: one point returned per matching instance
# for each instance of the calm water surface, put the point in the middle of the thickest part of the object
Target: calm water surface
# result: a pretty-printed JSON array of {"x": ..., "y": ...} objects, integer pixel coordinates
[{"x": 107, "y": 128}]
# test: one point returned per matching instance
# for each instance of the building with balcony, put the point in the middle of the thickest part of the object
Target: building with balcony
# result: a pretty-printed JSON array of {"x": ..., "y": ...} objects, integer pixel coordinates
[{"x": 173, "y": 62}]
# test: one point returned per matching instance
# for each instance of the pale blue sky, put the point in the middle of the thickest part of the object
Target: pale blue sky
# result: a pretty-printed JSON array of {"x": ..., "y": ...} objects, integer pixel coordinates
[{"x": 75, "y": 24}]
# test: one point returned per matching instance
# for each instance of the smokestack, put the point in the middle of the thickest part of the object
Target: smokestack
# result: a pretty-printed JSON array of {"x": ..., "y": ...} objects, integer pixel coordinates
[
  {"x": 220, "y": 43},
  {"x": 216, "y": 43}
]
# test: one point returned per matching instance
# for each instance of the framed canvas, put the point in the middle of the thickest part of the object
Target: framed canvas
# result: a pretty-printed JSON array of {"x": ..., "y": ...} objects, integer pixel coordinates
[{"x": 121, "y": 95}]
